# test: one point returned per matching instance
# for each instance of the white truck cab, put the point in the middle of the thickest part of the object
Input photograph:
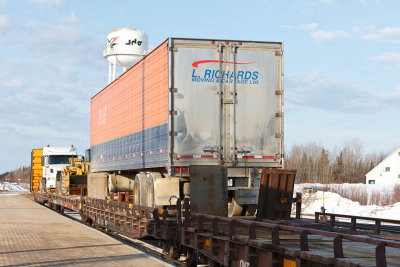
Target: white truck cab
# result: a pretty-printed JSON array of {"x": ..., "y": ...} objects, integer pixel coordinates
[{"x": 53, "y": 160}]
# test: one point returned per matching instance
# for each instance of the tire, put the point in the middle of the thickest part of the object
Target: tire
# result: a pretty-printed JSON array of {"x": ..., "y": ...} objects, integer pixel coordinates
[
  {"x": 192, "y": 257},
  {"x": 150, "y": 194},
  {"x": 139, "y": 189},
  {"x": 251, "y": 209},
  {"x": 234, "y": 208},
  {"x": 42, "y": 187}
]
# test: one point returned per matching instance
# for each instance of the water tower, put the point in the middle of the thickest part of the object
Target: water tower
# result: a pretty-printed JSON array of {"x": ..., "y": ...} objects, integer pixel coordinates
[{"x": 125, "y": 47}]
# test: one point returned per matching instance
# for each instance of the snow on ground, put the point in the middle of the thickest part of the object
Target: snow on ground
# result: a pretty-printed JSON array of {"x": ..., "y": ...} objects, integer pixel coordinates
[
  {"x": 12, "y": 187},
  {"x": 314, "y": 198}
]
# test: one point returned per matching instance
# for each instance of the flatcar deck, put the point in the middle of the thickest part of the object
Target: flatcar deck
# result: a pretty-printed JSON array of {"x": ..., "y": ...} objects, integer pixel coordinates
[{"x": 237, "y": 241}]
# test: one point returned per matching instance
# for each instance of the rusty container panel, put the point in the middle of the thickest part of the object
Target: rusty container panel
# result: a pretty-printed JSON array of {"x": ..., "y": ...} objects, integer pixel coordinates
[
  {"x": 36, "y": 168},
  {"x": 276, "y": 191},
  {"x": 128, "y": 118}
]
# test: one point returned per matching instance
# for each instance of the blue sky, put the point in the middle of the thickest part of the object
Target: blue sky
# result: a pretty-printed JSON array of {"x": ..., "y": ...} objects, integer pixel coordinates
[{"x": 342, "y": 64}]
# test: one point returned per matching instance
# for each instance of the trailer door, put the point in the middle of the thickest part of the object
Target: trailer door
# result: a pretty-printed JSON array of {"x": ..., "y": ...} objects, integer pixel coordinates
[
  {"x": 257, "y": 113},
  {"x": 195, "y": 115},
  {"x": 225, "y": 103}
]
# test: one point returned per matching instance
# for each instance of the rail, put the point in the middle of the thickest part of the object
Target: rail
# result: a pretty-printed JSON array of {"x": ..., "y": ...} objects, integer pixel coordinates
[{"x": 353, "y": 224}]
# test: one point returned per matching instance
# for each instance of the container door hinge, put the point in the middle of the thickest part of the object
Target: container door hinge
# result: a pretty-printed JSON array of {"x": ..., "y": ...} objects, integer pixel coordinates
[
  {"x": 172, "y": 155},
  {"x": 278, "y": 135},
  {"x": 279, "y": 156},
  {"x": 278, "y": 115},
  {"x": 173, "y": 90},
  {"x": 172, "y": 134},
  {"x": 173, "y": 49},
  {"x": 278, "y": 53},
  {"x": 173, "y": 112},
  {"x": 278, "y": 92}
]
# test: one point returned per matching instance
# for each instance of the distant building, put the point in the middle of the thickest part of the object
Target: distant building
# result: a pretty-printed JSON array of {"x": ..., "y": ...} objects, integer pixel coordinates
[{"x": 386, "y": 172}]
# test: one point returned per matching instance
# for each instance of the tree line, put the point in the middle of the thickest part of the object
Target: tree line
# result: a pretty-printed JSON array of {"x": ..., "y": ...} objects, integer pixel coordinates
[
  {"x": 313, "y": 162},
  {"x": 316, "y": 164},
  {"x": 22, "y": 174}
]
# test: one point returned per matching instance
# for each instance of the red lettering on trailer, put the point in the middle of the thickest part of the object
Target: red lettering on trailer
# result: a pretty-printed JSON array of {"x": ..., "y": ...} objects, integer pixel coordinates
[{"x": 197, "y": 63}]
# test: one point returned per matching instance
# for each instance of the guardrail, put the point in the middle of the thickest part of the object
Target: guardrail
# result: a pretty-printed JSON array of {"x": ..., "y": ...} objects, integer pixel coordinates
[
  {"x": 353, "y": 224},
  {"x": 195, "y": 234}
]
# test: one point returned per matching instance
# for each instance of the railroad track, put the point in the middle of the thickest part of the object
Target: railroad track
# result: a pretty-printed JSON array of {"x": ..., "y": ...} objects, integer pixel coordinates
[{"x": 141, "y": 245}]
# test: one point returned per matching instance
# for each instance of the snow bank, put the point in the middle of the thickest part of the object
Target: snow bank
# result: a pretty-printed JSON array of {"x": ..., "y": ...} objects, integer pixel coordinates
[
  {"x": 314, "y": 198},
  {"x": 12, "y": 187}
]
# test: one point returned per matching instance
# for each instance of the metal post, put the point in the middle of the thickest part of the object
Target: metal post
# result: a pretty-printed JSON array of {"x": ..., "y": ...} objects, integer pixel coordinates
[{"x": 298, "y": 205}]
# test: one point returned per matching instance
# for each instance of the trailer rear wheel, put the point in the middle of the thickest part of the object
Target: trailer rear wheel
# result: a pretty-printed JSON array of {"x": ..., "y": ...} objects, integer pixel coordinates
[
  {"x": 140, "y": 189},
  {"x": 234, "y": 208},
  {"x": 251, "y": 209},
  {"x": 151, "y": 177}
]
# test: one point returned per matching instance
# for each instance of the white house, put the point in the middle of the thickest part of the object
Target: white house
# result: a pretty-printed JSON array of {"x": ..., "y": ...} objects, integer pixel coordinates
[{"x": 386, "y": 172}]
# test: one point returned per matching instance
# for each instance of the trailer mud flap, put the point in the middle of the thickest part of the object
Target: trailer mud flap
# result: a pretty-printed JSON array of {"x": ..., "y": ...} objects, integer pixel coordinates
[{"x": 209, "y": 190}]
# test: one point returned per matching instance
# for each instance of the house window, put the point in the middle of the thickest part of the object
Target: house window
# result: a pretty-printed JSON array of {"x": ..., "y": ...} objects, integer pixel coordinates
[
  {"x": 371, "y": 181},
  {"x": 387, "y": 169}
]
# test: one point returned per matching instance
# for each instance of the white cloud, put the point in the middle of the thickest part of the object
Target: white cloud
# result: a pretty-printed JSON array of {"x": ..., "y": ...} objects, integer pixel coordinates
[
  {"x": 46, "y": 94},
  {"x": 383, "y": 35},
  {"x": 65, "y": 41},
  {"x": 327, "y": 93},
  {"x": 5, "y": 27},
  {"x": 309, "y": 27},
  {"x": 5, "y": 22},
  {"x": 388, "y": 57},
  {"x": 318, "y": 35},
  {"x": 345, "y": 1},
  {"x": 326, "y": 36},
  {"x": 45, "y": 4}
]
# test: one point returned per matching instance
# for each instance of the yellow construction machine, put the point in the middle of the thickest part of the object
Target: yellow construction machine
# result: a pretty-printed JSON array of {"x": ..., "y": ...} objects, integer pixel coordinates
[{"x": 72, "y": 180}]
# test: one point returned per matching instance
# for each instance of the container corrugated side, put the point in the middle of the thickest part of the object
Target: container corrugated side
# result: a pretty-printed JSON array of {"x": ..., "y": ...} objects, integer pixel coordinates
[{"x": 129, "y": 117}]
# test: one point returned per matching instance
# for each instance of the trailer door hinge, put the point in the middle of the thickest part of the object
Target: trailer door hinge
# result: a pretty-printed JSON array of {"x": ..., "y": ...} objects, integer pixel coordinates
[
  {"x": 173, "y": 49},
  {"x": 173, "y": 90},
  {"x": 228, "y": 101},
  {"x": 278, "y": 115},
  {"x": 279, "y": 156},
  {"x": 278, "y": 53},
  {"x": 173, "y": 134},
  {"x": 173, "y": 112},
  {"x": 278, "y": 135},
  {"x": 172, "y": 155},
  {"x": 278, "y": 92}
]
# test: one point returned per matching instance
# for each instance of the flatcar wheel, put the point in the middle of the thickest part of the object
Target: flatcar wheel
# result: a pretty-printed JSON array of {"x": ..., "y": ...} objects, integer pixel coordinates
[
  {"x": 171, "y": 249},
  {"x": 192, "y": 257}
]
